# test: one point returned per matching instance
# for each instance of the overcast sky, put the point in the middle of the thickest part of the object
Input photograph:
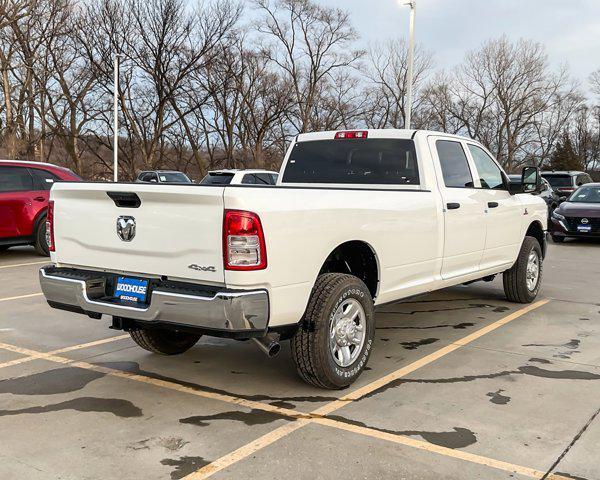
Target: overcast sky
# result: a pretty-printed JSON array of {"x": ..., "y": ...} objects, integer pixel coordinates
[{"x": 570, "y": 29}]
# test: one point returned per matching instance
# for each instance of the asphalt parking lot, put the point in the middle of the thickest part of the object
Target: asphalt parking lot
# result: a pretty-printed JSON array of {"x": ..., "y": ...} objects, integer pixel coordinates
[{"x": 461, "y": 384}]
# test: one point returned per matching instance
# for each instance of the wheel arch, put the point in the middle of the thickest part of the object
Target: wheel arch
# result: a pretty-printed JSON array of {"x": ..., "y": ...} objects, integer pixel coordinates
[
  {"x": 357, "y": 258},
  {"x": 536, "y": 230}
]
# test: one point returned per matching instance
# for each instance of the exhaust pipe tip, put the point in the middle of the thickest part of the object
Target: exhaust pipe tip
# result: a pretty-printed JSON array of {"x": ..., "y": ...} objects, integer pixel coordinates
[
  {"x": 274, "y": 350},
  {"x": 269, "y": 344}
]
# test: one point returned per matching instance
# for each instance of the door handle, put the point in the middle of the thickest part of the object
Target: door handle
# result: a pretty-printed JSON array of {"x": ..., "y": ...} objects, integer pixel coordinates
[
  {"x": 452, "y": 206},
  {"x": 492, "y": 204},
  {"x": 39, "y": 199}
]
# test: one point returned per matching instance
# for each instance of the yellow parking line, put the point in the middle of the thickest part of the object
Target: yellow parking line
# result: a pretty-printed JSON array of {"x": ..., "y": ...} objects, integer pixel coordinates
[
  {"x": 252, "y": 448},
  {"x": 23, "y": 264},
  {"x": 35, "y": 355},
  {"x": 21, "y": 296}
]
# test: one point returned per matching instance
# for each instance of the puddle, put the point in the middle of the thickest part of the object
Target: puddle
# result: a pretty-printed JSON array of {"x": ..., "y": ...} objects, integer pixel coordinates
[
  {"x": 116, "y": 406},
  {"x": 184, "y": 465},
  {"x": 457, "y": 438},
  {"x": 418, "y": 343},
  {"x": 455, "y": 326},
  {"x": 50, "y": 382},
  {"x": 497, "y": 397},
  {"x": 251, "y": 418}
]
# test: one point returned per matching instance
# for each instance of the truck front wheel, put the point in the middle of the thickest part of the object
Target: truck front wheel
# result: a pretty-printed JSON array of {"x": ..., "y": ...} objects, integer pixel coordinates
[
  {"x": 522, "y": 282},
  {"x": 164, "y": 342},
  {"x": 332, "y": 346}
]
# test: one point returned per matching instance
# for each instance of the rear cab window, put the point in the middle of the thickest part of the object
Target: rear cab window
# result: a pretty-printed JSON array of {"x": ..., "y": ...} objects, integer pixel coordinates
[
  {"x": 358, "y": 161},
  {"x": 258, "y": 179},
  {"x": 217, "y": 179},
  {"x": 559, "y": 180}
]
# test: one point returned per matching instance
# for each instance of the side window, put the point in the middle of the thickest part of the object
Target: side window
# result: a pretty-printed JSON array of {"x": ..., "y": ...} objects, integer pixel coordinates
[
  {"x": 490, "y": 175},
  {"x": 15, "y": 179},
  {"x": 273, "y": 177},
  {"x": 455, "y": 167},
  {"x": 42, "y": 179},
  {"x": 263, "y": 179},
  {"x": 249, "y": 179},
  {"x": 583, "y": 179}
]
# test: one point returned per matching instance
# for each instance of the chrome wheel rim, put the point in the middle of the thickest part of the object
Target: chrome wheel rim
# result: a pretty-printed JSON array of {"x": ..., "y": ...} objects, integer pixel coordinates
[
  {"x": 533, "y": 270},
  {"x": 347, "y": 332}
]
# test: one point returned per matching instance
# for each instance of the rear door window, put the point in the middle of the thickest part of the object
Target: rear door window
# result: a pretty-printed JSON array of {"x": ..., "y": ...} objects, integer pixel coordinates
[
  {"x": 454, "y": 164},
  {"x": 15, "y": 179},
  {"x": 353, "y": 161},
  {"x": 42, "y": 179}
]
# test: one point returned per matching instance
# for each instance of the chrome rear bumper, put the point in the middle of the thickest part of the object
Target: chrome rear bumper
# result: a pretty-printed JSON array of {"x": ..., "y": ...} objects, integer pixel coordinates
[{"x": 234, "y": 311}]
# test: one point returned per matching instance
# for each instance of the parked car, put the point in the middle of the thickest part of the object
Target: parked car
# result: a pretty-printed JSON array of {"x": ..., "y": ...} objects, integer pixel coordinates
[
  {"x": 162, "y": 176},
  {"x": 24, "y": 192},
  {"x": 357, "y": 219},
  {"x": 240, "y": 177},
  {"x": 578, "y": 216},
  {"x": 551, "y": 198},
  {"x": 564, "y": 183}
]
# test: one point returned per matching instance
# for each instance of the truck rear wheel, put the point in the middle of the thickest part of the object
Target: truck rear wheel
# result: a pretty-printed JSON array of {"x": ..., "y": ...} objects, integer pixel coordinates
[
  {"x": 522, "y": 282},
  {"x": 333, "y": 344},
  {"x": 164, "y": 342}
]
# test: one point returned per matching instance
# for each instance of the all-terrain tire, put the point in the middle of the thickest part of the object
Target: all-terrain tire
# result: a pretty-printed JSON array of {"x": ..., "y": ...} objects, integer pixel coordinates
[
  {"x": 164, "y": 342},
  {"x": 310, "y": 344},
  {"x": 41, "y": 245},
  {"x": 515, "y": 280}
]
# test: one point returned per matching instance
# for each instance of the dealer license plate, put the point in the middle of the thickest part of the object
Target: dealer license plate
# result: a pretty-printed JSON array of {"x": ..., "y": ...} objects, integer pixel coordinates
[
  {"x": 131, "y": 289},
  {"x": 584, "y": 228}
]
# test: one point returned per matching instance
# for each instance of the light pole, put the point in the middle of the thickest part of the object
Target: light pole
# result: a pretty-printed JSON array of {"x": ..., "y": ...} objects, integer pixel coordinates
[
  {"x": 411, "y": 57},
  {"x": 116, "y": 119}
]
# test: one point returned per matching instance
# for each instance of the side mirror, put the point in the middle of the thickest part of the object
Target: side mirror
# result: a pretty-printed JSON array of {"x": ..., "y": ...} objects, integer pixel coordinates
[{"x": 531, "y": 180}]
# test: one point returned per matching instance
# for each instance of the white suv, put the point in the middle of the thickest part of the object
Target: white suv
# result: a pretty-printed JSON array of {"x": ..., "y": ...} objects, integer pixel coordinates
[{"x": 240, "y": 177}]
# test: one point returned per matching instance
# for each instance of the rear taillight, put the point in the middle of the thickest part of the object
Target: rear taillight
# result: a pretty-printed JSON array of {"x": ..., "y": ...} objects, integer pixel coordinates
[
  {"x": 50, "y": 227},
  {"x": 351, "y": 134},
  {"x": 243, "y": 241}
]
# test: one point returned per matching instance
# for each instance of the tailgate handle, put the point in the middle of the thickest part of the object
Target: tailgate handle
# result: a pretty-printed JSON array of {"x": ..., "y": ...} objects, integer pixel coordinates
[{"x": 125, "y": 199}]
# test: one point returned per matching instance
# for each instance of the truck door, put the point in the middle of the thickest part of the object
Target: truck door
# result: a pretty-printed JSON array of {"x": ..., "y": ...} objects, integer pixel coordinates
[
  {"x": 504, "y": 212},
  {"x": 463, "y": 203}
]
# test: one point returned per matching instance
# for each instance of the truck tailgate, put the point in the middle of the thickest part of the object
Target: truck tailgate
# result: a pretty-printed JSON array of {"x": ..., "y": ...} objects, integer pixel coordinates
[{"x": 178, "y": 229}]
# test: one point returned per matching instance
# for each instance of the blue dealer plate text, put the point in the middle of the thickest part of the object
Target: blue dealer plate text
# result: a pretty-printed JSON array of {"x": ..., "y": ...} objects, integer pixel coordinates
[{"x": 131, "y": 289}]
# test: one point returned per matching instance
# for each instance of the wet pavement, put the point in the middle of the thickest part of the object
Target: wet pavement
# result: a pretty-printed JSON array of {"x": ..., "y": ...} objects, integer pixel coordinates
[{"x": 518, "y": 400}]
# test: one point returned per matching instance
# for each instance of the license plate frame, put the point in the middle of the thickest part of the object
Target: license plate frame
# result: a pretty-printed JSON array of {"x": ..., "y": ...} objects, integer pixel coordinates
[
  {"x": 131, "y": 289},
  {"x": 584, "y": 228}
]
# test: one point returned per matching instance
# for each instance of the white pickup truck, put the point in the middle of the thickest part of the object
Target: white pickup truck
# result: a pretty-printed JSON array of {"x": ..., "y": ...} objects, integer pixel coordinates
[{"x": 357, "y": 219}]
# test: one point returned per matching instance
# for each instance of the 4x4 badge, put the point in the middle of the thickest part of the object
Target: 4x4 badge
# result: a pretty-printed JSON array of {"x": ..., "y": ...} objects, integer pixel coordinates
[{"x": 193, "y": 266}]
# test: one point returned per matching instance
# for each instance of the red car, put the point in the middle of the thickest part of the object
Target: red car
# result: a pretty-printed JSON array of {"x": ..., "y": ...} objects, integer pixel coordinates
[{"x": 24, "y": 191}]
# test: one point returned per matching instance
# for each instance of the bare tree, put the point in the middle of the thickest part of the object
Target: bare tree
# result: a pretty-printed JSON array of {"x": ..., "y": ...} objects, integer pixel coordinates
[
  {"x": 309, "y": 44},
  {"x": 387, "y": 70}
]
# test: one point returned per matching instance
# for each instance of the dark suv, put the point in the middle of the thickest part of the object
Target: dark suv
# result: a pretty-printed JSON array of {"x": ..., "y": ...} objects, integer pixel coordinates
[{"x": 566, "y": 182}]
